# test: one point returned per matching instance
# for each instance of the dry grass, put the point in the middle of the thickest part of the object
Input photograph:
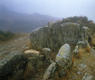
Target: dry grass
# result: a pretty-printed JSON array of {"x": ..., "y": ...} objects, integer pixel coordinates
[{"x": 87, "y": 59}]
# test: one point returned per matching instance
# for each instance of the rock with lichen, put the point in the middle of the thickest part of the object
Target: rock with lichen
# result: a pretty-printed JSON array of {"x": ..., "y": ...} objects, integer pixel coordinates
[
  {"x": 64, "y": 59},
  {"x": 12, "y": 66}
]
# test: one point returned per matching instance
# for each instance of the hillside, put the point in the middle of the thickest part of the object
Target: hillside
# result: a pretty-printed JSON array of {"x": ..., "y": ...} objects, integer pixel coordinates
[
  {"x": 53, "y": 36},
  {"x": 83, "y": 67},
  {"x": 71, "y": 31},
  {"x": 6, "y": 35},
  {"x": 19, "y": 22}
]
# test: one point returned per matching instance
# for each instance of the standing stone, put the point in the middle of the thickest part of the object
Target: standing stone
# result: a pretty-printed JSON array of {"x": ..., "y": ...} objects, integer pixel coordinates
[
  {"x": 64, "y": 53},
  {"x": 64, "y": 59}
]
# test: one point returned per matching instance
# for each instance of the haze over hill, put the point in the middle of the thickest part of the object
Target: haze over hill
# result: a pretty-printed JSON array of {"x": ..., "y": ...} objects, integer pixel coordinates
[
  {"x": 57, "y": 8},
  {"x": 19, "y": 15},
  {"x": 20, "y": 22}
]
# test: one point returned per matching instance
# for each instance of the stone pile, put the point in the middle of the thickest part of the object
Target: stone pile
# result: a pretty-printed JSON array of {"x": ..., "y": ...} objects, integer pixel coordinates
[{"x": 62, "y": 64}]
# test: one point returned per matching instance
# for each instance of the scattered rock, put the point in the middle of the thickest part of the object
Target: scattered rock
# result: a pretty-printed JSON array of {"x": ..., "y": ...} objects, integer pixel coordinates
[
  {"x": 34, "y": 66},
  {"x": 82, "y": 66},
  {"x": 78, "y": 72},
  {"x": 31, "y": 51},
  {"x": 50, "y": 71},
  {"x": 76, "y": 50},
  {"x": 46, "y": 49},
  {"x": 87, "y": 77},
  {"x": 46, "y": 52}
]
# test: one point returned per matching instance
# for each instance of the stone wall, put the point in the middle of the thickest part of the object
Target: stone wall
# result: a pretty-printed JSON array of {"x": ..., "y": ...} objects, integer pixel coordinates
[{"x": 56, "y": 35}]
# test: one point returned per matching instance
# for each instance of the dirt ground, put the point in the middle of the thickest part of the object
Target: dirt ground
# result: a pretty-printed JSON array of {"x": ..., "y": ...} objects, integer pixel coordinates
[{"x": 19, "y": 42}]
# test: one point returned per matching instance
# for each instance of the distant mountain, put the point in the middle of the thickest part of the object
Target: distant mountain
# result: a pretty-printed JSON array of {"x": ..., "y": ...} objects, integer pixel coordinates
[{"x": 18, "y": 22}]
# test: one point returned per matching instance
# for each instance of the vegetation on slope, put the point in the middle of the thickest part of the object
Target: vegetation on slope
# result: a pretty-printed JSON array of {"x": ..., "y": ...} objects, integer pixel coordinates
[{"x": 5, "y": 35}]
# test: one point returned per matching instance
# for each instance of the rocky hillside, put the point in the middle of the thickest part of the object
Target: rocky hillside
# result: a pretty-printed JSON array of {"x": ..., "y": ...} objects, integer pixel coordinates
[
  {"x": 56, "y": 34},
  {"x": 83, "y": 67},
  {"x": 22, "y": 60}
]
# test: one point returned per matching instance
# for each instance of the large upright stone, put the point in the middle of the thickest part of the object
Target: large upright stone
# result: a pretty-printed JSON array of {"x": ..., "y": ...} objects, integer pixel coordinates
[
  {"x": 64, "y": 53},
  {"x": 64, "y": 59}
]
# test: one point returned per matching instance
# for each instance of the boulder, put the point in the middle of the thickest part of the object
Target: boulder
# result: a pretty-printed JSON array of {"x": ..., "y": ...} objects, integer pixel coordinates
[
  {"x": 79, "y": 49},
  {"x": 31, "y": 52},
  {"x": 46, "y": 52},
  {"x": 46, "y": 49},
  {"x": 50, "y": 71},
  {"x": 64, "y": 60},
  {"x": 82, "y": 44},
  {"x": 64, "y": 53},
  {"x": 13, "y": 66},
  {"x": 35, "y": 64}
]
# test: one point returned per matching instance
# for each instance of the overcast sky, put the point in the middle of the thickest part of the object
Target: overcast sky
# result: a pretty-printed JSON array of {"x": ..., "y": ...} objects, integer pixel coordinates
[{"x": 56, "y": 8}]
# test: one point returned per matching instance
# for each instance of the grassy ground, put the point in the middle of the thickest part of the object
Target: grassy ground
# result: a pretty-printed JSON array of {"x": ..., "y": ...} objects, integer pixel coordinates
[{"x": 85, "y": 64}]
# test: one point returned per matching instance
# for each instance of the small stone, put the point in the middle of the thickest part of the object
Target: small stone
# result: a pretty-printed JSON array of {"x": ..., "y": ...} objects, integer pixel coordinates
[
  {"x": 79, "y": 73},
  {"x": 31, "y": 51},
  {"x": 46, "y": 49},
  {"x": 82, "y": 66}
]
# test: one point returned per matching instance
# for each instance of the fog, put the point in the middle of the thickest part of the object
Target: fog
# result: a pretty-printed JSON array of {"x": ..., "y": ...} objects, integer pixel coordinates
[{"x": 56, "y": 8}]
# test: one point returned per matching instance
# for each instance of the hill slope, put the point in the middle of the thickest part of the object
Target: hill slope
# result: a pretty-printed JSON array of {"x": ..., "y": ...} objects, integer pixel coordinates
[{"x": 18, "y": 22}]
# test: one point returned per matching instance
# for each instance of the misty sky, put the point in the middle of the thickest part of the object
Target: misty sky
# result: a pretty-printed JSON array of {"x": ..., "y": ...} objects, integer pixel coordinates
[{"x": 56, "y": 8}]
